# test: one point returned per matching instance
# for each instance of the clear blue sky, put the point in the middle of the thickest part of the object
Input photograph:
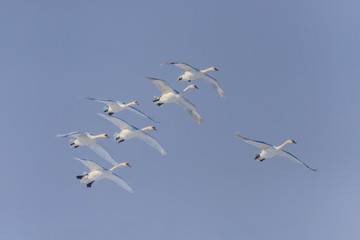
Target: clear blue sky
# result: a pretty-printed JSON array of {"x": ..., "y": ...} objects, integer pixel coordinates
[{"x": 289, "y": 69}]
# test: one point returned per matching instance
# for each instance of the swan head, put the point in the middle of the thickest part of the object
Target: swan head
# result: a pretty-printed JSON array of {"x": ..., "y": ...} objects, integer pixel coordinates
[
  {"x": 125, "y": 164},
  {"x": 135, "y": 103},
  {"x": 292, "y": 141},
  {"x": 153, "y": 128},
  {"x": 193, "y": 86},
  {"x": 214, "y": 68},
  {"x": 105, "y": 135}
]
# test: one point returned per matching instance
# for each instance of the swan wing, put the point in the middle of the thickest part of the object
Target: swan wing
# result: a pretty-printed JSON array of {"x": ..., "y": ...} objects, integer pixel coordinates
[
  {"x": 101, "y": 151},
  {"x": 121, "y": 182},
  {"x": 117, "y": 122},
  {"x": 161, "y": 84},
  {"x": 258, "y": 144},
  {"x": 106, "y": 101},
  {"x": 72, "y": 134},
  {"x": 184, "y": 66},
  {"x": 214, "y": 84},
  {"x": 188, "y": 106},
  {"x": 152, "y": 142},
  {"x": 90, "y": 164},
  {"x": 286, "y": 154},
  {"x": 132, "y": 109}
]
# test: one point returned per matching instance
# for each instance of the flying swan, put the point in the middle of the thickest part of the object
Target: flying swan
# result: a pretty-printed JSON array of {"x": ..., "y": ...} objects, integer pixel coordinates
[
  {"x": 86, "y": 139},
  {"x": 194, "y": 73},
  {"x": 97, "y": 173},
  {"x": 269, "y": 151},
  {"x": 170, "y": 95},
  {"x": 117, "y": 106},
  {"x": 128, "y": 131}
]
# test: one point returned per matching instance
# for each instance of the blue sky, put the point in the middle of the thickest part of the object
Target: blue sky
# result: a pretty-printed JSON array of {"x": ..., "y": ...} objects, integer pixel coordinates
[{"x": 289, "y": 69}]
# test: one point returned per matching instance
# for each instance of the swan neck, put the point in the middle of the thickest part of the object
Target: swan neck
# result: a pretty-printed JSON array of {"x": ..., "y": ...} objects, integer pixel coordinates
[
  {"x": 187, "y": 88},
  {"x": 147, "y": 128},
  {"x": 115, "y": 167},
  {"x": 283, "y": 145},
  {"x": 207, "y": 70}
]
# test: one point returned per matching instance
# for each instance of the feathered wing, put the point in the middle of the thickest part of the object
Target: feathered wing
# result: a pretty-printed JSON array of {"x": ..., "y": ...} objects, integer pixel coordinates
[
  {"x": 161, "y": 84},
  {"x": 214, "y": 84},
  {"x": 72, "y": 134},
  {"x": 183, "y": 65},
  {"x": 132, "y": 109},
  {"x": 106, "y": 101},
  {"x": 288, "y": 155},
  {"x": 152, "y": 142},
  {"x": 188, "y": 106},
  {"x": 121, "y": 182},
  {"x": 117, "y": 122},
  {"x": 90, "y": 164},
  {"x": 101, "y": 151},
  {"x": 258, "y": 144}
]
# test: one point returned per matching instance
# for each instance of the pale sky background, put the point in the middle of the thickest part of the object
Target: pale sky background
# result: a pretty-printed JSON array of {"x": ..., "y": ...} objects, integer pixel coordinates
[{"x": 289, "y": 69}]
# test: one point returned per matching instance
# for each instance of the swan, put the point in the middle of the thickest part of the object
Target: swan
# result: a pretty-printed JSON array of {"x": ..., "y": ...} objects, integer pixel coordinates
[
  {"x": 171, "y": 95},
  {"x": 97, "y": 173},
  {"x": 128, "y": 131},
  {"x": 269, "y": 151},
  {"x": 192, "y": 73},
  {"x": 117, "y": 106},
  {"x": 86, "y": 139}
]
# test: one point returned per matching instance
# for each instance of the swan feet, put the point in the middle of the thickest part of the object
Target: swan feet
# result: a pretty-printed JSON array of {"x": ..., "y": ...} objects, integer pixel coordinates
[
  {"x": 156, "y": 99},
  {"x": 110, "y": 113},
  {"x": 119, "y": 140},
  {"x": 73, "y": 145},
  {"x": 159, "y": 104},
  {"x": 81, "y": 176},
  {"x": 89, "y": 184}
]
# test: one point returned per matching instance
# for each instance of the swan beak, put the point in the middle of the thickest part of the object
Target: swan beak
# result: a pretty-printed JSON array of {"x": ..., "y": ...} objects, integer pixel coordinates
[
  {"x": 216, "y": 69},
  {"x": 179, "y": 78},
  {"x": 107, "y": 136},
  {"x": 154, "y": 129},
  {"x": 128, "y": 165},
  {"x": 196, "y": 87},
  {"x": 136, "y": 103}
]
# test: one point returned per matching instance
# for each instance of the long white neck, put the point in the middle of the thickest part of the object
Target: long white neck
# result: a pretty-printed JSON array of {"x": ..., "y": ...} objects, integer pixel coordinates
[
  {"x": 115, "y": 167},
  {"x": 96, "y": 136},
  {"x": 208, "y": 69},
  {"x": 283, "y": 145},
  {"x": 147, "y": 128},
  {"x": 129, "y": 104},
  {"x": 187, "y": 88}
]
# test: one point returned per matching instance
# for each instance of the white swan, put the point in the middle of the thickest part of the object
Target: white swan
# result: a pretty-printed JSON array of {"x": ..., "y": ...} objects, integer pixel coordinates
[
  {"x": 269, "y": 151},
  {"x": 128, "y": 131},
  {"x": 194, "y": 73},
  {"x": 117, "y": 106},
  {"x": 89, "y": 140},
  {"x": 97, "y": 173},
  {"x": 171, "y": 95}
]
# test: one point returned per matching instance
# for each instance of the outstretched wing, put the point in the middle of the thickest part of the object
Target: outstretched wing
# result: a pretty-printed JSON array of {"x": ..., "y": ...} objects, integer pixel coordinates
[
  {"x": 72, "y": 134},
  {"x": 152, "y": 142},
  {"x": 106, "y": 101},
  {"x": 121, "y": 182},
  {"x": 90, "y": 164},
  {"x": 188, "y": 106},
  {"x": 161, "y": 84},
  {"x": 286, "y": 154},
  {"x": 132, "y": 109},
  {"x": 101, "y": 151},
  {"x": 183, "y": 65},
  {"x": 117, "y": 122},
  {"x": 214, "y": 84},
  {"x": 258, "y": 144}
]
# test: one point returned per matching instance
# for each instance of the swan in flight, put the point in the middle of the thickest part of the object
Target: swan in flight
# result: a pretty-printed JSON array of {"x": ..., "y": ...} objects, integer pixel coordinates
[
  {"x": 192, "y": 73},
  {"x": 89, "y": 140},
  {"x": 269, "y": 151},
  {"x": 171, "y": 95},
  {"x": 128, "y": 131},
  {"x": 97, "y": 173},
  {"x": 117, "y": 106}
]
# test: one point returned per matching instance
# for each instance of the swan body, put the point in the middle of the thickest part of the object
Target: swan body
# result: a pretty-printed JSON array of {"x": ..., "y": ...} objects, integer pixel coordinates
[
  {"x": 170, "y": 95},
  {"x": 192, "y": 73},
  {"x": 86, "y": 139},
  {"x": 97, "y": 173},
  {"x": 128, "y": 132},
  {"x": 118, "y": 106},
  {"x": 269, "y": 151}
]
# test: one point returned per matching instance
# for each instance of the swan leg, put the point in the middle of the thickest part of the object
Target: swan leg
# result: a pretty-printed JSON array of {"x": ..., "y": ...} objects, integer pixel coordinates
[
  {"x": 159, "y": 104},
  {"x": 110, "y": 113},
  {"x": 106, "y": 110},
  {"x": 76, "y": 146},
  {"x": 156, "y": 99},
  {"x": 179, "y": 79},
  {"x": 81, "y": 176},
  {"x": 89, "y": 184},
  {"x": 121, "y": 140}
]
